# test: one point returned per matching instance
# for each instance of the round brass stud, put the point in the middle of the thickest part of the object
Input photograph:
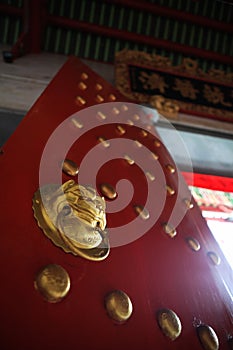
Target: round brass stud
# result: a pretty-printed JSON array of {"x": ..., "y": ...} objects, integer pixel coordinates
[
  {"x": 188, "y": 203},
  {"x": 149, "y": 127},
  {"x": 142, "y": 212},
  {"x": 82, "y": 86},
  {"x": 120, "y": 130},
  {"x": 157, "y": 143},
  {"x": 99, "y": 98},
  {"x": 77, "y": 123},
  {"x": 69, "y": 167},
  {"x": 53, "y": 283},
  {"x": 170, "y": 168},
  {"x": 84, "y": 76},
  {"x": 193, "y": 243},
  {"x": 130, "y": 122},
  {"x": 214, "y": 258},
  {"x": 112, "y": 97},
  {"x": 101, "y": 115},
  {"x": 138, "y": 143},
  {"x": 154, "y": 156},
  {"x": 80, "y": 101},
  {"x": 98, "y": 87},
  {"x": 119, "y": 306},
  {"x": 124, "y": 108},
  {"x": 108, "y": 191},
  {"x": 171, "y": 231},
  {"x": 144, "y": 133},
  {"x": 170, "y": 190},
  {"x": 115, "y": 110},
  {"x": 136, "y": 117},
  {"x": 169, "y": 323},
  {"x": 104, "y": 142},
  {"x": 150, "y": 176},
  {"x": 129, "y": 160},
  {"x": 207, "y": 337}
]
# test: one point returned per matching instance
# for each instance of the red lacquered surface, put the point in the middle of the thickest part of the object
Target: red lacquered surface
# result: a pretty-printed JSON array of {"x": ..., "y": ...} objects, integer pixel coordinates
[{"x": 155, "y": 270}]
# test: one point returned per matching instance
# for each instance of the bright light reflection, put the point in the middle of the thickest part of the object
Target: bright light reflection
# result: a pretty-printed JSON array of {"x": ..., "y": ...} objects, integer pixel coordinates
[{"x": 223, "y": 233}]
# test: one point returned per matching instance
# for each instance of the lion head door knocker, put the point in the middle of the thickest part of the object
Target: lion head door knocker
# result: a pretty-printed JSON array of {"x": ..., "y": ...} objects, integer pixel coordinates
[{"x": 73, "y": 217}]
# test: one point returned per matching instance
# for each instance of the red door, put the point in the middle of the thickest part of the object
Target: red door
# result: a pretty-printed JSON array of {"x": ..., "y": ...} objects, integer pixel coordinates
[{"x": 177, "y": 284}]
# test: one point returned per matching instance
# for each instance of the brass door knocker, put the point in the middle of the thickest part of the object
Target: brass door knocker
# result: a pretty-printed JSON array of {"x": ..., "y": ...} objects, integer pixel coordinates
[{"x": 73, "y": 217}]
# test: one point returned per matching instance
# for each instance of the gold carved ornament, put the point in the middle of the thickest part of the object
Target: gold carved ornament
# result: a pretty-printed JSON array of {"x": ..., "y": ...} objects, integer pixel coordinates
[
  {"x": 73, "y": 217},
  {"x": 164, "y": 106},
  {"x": 171, "y": 107}
]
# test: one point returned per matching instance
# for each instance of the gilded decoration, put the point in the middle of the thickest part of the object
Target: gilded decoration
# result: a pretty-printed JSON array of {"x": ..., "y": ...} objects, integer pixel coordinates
[
  {"x": 73, "y": 217},
  {"x": 152, "y": 79}
]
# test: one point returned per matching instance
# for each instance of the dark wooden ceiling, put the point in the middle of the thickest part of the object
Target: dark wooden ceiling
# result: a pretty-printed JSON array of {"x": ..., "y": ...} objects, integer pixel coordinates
[{"x": 97, "y": 29}]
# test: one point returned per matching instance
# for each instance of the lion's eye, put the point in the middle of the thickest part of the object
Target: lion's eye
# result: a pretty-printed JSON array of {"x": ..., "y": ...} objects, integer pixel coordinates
[{"x": 66, "y": 210}]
